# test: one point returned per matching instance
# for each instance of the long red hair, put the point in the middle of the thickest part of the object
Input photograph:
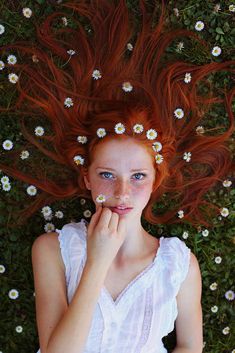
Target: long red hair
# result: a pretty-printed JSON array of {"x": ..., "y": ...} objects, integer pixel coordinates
[{"x": 158, "y": 89}]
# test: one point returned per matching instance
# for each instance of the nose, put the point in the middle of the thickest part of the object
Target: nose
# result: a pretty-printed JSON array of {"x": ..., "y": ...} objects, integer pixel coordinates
[{"x": 122, "y": 190}]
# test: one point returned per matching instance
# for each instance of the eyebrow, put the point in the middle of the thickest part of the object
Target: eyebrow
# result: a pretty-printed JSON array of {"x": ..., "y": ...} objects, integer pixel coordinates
[{"x": 132, "y": 170}]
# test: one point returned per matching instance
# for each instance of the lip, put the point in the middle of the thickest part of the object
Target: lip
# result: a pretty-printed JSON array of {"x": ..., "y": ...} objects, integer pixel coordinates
[{"x": 119, "y": 211}]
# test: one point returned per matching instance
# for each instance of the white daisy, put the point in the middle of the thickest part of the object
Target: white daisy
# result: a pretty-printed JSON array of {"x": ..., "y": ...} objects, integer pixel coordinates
[
  {"x": 159, "y": 158},
  {"x": 82, "y": 201},
  {"x": 49, "y": 227},
  {"x": 13, "y": 78},
  {"x": 119, "y": 128},
  {"x": 46, "y": 211},
  {"x": 27, "y": 12},
  {"x": 71, "y": 52},
  {"x": 187, "y": 156},
  {"x": 13, "y": 294},
  {"x": 101, "y": 132},
  {"x": 214, "y": 309},
  {"x": 2, "y": 65},
  {"x": 65, "y": 21},
  {"x": 213, "y": 286},
  {"x": 2, "y": 268},
  {"x": 180, "y": 213},
  {"x": 157, "y": 146},
  {"x": 216, "y": 51},
  {"x": 11, "y": 59},
  {"x": 7, "y": 145},
  {"x": 231, "y": 8},
  {"x": 230, "y": 295},
  {"x": 87, "y": 213},
  {"x": 5, "y": 179},
  {"x": 151, "y": 134},
  {"x": 59, "y": 214},
  {"x": 176, "y": 11},
  {"x": 82, "y": 139},
  {"x": 2, "y": 29},
  {"x": 127, "y": 87},
  {"x": 216, "y": 8},
  {"x": 96, "y": 74},
  {"x": 218, "y": 259},
  {"x": 79, "y": 160},
  {"x": 224, "y": 212},
  {"x": 205, "y": 232},
  {"x": 199, "y": 26},
  {"x": 6, "y": 187},
  {"x": 31, "y": 190},
  {"x": 187, "y": 77},
  {"x": 24, "y": 154},
  {"x": 179, "y": 113},
  {"x": 138, "y": 128},
  {"x": 200, "y": 130},
  {"x": 68, "y": 102},
  {"x": 39, "y": 131},
  {"x": 19, "y": 329},
  {"x": 185, "y": 235},
  {"x": 226, "y": 330},
  {"x": 100, "y": 198},
  {"x": 129, "y": 46},
  {"x": 180, "y": 46},
  {"x": 227, "y": 183}
]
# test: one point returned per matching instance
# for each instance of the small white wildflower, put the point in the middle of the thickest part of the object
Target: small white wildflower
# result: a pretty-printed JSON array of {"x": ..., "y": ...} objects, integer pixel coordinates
[
  {"x": 204, "y": 344},
  {"x": 82, "y": 139},
  {"x": 127, "y": 87},
  {"x": 78, "y": 159},
  {"x": 65, "y": 21},
  {"x": 187, "y": 156},
  {"x": 151, "y": 134},
  {"x": 59, "y": 214},
  {"x": 5, "y": 179},
  {"x": 129, "y": 46},
  {"x": 119, "y": 128},
  {"x": 176, "y": 11},
  {"x": 216, "y": 51},
  {"x": 101, "y": 132},
  {"x": 49, "y": 227},
  {"x": 2, "y": 65},
  {"x": 48, "y": 217},
  {"x": 159, "y": 158},
  {"x": 27, "y": 12},
  {"x": 187, "y": 77},
  {"x": 13, "y": 294},
  {"x": 13, "y": 78},
  {"x": 200, "y": 130},
  {"x": 180, "y": 46},
  {"x": 230, "y": 295},
  {"x": 179, "y": 113},
  {"x": 2, "y": 29},
  {"x": 82, "y": 201},
  {"x": 31, "y": 190},
  {"x": 214, "y": 309},
  {"x": 24, "y": 154},
  {"x": 68, "y": 102},
  {"x": 39, "y": 131},
  {"x": 87, "y": 213},
  {"x": 7, "y": 145},
  {"x": 19, "y": 329},
  {"x": 233, "y": 351},
  {"x": 138, "y": 128},
  {"x": 216, "y": 8},
  {"x": 224, "y": 212},
  {"x": 35, "y": 58},
  {"x": 226, "y": 330},
  {"x": 46, "y": 211},
  {"x": 218, "y": 259},
  {"x": 227, "y": 183},
  {"x": 100, "y": 198},
  {"x": 180, "y": 213},
  {"x": 71, "y": 52},
  {"x": 96, "y": 74},
  {"x": 213, "y": 286},
  {"x": 2, "y": 269},
  {"x": 157, "y": 146},
  {"x": 185, "y": 235},
  {"x": 199, "y": 26},
  {"x": 11, "y": 59},
  {"x": 231, "y": 8},
  {"x": 6, "y": 187},
  {"x": 205, "y": 232}
]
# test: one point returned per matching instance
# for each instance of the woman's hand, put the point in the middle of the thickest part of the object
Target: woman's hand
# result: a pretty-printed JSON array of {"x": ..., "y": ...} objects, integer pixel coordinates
[{"x": 106, "y": 233}]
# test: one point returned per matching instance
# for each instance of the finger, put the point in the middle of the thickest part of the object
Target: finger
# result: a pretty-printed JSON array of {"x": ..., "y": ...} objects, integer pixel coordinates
[
  {"x": 105, "y": 217},
  {"x": 113, "y": 223},
  {"x": 94, "y": 219},
  {"x": 121, "y": 228}
]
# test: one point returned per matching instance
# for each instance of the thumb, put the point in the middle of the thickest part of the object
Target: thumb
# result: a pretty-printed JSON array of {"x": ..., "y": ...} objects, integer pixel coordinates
[{"x": 94, "y": 220}]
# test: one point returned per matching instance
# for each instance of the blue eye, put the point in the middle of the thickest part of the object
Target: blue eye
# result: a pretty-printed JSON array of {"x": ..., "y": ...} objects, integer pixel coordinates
[{"x": 143, "y": 174}]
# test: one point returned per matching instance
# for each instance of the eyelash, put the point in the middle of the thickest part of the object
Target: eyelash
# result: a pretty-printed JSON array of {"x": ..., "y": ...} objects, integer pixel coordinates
[{"x": 134, "y": 174}]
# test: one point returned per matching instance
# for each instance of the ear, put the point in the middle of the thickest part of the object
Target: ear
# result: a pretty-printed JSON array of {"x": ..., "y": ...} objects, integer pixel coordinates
[{"x": 87, "y": 182}]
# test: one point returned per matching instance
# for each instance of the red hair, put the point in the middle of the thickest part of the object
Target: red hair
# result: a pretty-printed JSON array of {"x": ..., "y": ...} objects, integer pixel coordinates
[{"x": 158, "y": 89}]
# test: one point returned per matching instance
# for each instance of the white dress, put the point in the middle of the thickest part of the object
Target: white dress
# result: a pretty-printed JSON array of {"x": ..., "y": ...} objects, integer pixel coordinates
[{"x": 145, "y": 311}]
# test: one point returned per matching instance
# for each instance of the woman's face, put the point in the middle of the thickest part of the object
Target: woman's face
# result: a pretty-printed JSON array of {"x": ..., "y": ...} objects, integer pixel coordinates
[{"x": 123, "y": 171}]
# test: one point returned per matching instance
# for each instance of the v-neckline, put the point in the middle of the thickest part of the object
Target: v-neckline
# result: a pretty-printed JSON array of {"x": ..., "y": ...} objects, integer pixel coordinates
[{"x": 135, "y": 280}]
